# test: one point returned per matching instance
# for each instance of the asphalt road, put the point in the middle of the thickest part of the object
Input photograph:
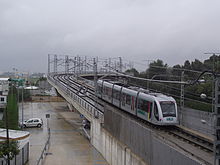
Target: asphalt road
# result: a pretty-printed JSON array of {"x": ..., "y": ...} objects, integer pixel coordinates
[{"x": 67, "y": 144}]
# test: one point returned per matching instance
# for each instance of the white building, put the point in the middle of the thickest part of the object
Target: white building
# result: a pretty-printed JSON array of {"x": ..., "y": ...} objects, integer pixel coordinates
[
  {"x": 4, "y": 88},
  {"x": 22, "y": 137}
]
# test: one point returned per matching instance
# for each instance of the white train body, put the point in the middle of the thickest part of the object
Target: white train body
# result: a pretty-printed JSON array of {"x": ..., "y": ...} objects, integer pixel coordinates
[{"x": 155, "y": 108}]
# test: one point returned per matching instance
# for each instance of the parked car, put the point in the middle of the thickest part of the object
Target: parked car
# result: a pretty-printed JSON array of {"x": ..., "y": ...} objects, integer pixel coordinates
[{"x": 33, "y": 122}]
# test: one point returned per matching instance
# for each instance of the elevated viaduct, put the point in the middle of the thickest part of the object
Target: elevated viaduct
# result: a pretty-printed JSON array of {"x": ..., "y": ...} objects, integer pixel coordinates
[{"x": 121, "y": 139}]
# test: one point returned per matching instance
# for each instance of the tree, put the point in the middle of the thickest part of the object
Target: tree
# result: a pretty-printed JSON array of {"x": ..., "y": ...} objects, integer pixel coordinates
[
  {"x": 197, "y": 65},
  {"x": 156, "y": 68},
  {"x": 132, "y": 72},
  {"x": 187, "y": 65},
  {"x": 9, "y": 151},
  {"x": 176, "y": 70}
]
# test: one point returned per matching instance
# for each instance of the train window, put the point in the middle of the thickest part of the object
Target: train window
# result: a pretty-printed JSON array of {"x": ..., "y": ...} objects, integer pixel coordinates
[
  {"x": 156, "y": 113},
  {"x": 123, "y": 99},
  {"x": 116, "y": 94},
  {"x": 109, "y": 92},
  {"x": 168, "y": 108},
  {"x": 128, "y": 99},
  {"x": 99, "y": 89},
  {"x": 150, "y": 104},
  {"x": 104, "y": 90},
  {"x": 143, "y": 105}
]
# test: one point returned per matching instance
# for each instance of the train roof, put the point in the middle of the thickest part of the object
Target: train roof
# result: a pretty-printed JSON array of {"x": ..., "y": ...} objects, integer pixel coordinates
[{"x": 158, "y": 96}]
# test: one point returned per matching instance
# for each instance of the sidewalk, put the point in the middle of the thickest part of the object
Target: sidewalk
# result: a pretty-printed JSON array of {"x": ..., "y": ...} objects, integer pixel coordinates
[{"x": 68, "y": 146}]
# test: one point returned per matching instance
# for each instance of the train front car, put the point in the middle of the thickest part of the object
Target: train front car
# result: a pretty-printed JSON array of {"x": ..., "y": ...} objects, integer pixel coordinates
[{"x": 167, "y": 110}]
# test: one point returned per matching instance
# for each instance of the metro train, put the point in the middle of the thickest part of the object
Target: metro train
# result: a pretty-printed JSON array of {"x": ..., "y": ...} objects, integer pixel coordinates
[{"x": 155, "y": 108}]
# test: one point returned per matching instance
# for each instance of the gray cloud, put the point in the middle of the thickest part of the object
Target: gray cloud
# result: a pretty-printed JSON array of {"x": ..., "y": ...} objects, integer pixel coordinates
[{"x": 138, "y": 30}]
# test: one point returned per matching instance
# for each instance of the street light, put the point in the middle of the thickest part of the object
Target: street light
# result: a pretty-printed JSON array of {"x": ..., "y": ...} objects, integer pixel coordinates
[{"x": 216, "y": 107}]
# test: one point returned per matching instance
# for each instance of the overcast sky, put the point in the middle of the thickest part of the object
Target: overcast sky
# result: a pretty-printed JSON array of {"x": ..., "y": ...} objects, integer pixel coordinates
[{"x": 136, "y": 30}]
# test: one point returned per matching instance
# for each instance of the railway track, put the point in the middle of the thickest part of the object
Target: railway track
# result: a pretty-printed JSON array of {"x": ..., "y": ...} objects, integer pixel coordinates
[
  {"x": 177, "y": 132},
  {"x": 195, "y": 140},
  {"x": 76, "y": 88}
]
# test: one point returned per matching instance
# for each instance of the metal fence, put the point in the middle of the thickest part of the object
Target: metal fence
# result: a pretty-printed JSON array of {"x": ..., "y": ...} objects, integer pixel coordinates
[
  {"x": 199, "y": 121},
  {"x": 142, "y": 141},
  {"x": 20, "y": 159},
  {"x": 46, "y": 147}
]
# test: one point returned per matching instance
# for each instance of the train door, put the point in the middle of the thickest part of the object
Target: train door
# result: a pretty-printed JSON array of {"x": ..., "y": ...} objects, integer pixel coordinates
[
  {"x": 123, "y": 95},
  {"x": 150, "y": 105},
  {"x": 156, "y": 112},
  {"x": 132, "y": 103},
  {"x": 143, "y": 109}
]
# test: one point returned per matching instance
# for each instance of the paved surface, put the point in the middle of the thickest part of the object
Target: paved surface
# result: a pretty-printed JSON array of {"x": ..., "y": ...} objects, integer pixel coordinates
[{"x": 67, "y": 145}]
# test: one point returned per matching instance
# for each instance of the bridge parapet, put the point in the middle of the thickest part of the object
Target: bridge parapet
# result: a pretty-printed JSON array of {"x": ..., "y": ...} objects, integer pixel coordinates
[{"x": 86, "y": 108}]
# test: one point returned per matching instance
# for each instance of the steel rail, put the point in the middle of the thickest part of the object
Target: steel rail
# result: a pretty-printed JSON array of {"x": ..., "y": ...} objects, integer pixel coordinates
[
  {"x": 196, "y": 140},
  {"x": 88, "y": 99}
]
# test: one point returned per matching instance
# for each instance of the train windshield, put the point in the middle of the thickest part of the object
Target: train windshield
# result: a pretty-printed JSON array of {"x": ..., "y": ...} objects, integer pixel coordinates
[{"x": 168, "y": 109}]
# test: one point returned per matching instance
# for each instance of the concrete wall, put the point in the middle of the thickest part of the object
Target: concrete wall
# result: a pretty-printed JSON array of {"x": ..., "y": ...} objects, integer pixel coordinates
[
  {"x": 113, "y": 151},
  {"x": 146, "y": 146},
  {"x": 117, "y": 153}
]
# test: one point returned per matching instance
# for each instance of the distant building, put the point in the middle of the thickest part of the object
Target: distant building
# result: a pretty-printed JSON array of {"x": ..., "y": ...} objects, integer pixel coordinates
[{"x": 4, "y": 88}]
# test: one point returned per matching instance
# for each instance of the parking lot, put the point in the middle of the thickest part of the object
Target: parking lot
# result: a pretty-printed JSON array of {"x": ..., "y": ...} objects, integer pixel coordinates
[{"x": 67, "y": 144}]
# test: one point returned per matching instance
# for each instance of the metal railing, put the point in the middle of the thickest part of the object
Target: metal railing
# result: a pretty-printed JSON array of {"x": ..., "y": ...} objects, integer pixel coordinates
[
  {"x": 87, "y": 106},
  {"x": 46, "y": 147}
]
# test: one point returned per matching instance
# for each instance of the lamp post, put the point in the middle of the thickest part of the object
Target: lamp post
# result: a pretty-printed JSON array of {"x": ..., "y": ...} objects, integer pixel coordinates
[
  {"x": 22, "y": 107},
  {"x": 216, "y": 107},
  {"x": 7, "y": 132},
  {"x": 217, "y": 122}
]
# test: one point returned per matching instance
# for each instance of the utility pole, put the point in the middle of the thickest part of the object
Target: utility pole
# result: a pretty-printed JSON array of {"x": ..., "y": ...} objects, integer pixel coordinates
[
  {"x": 82, "y": 67},
  {"x": 217, "y": 122},
  {"x": 215, "y": 109},
  {"x": 85, "y": 64},
  {"x": 55, "y": 64},
  {"x": 95, "y": 83},
  {"x": 7, "y": 133},
  {"x": 109, "y": 65},
  {"x": 213, "y": 85},
  {"x": 78, "y": 65},
  {"x": 66, "y": 64},
  {"x": 120, "y": 64},
  {"x": 48, "y": 64},
  {"x": 22, "y": 107},
  {"x": 181, "y": 97},
  {"x": 182, "y": 91},
  {"x": 74, "y": 65}
]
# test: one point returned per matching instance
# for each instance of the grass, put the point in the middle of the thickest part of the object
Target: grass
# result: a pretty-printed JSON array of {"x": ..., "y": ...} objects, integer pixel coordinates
[{"x": 199, "y": 106}]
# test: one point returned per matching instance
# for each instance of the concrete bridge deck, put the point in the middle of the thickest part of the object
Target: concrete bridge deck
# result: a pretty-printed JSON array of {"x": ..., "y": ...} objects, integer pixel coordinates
[{"x": 119, "y": 152}]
